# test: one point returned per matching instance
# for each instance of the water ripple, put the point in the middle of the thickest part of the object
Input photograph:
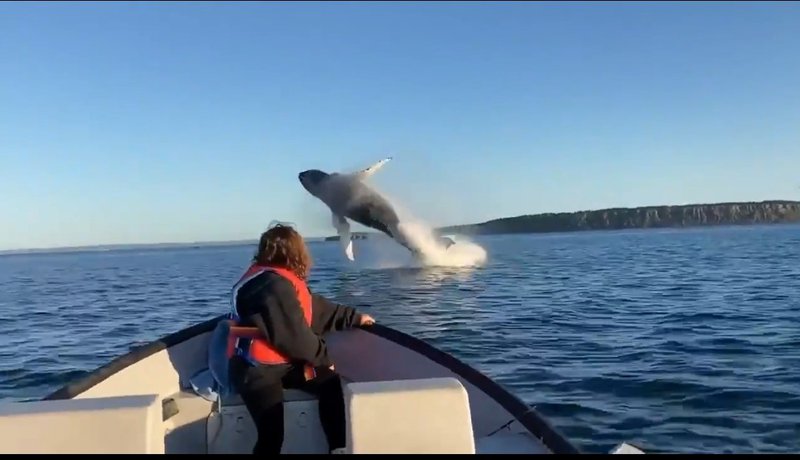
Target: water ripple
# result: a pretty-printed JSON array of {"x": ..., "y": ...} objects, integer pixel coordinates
[{"x": 679, "y": 341}]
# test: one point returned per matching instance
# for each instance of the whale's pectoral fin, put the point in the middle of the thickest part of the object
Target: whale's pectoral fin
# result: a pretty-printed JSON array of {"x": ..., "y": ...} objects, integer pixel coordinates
[
  {"x": 343, "y": 229},
  {"x": 366, "y": 172}
]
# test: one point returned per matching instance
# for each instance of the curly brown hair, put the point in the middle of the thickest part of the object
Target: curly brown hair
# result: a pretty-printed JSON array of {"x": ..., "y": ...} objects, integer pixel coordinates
[{"x": 282, "y": 246}]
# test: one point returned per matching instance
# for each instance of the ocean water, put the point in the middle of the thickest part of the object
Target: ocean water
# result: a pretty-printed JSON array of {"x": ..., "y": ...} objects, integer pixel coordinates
[{"x": 676, "y": 340}]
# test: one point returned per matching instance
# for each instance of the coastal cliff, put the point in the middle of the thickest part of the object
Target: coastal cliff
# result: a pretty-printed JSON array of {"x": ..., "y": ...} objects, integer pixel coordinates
[{"x": 693, "y": 215}]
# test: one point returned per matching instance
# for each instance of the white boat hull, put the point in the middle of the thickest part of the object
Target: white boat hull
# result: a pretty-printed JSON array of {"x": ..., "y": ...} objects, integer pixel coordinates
[{"x": 375, "y": 359}]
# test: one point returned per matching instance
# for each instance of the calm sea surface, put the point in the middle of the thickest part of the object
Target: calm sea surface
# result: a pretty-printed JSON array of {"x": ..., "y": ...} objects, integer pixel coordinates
[{"x": 676, "y": 340}]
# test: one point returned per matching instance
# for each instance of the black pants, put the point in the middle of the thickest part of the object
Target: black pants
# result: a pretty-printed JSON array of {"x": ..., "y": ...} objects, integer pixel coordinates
[{"x": 261, "y": 389}]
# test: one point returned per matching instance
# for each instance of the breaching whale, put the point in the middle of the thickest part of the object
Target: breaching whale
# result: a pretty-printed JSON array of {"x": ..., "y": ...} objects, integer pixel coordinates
[{"x": 348, "y": 197}]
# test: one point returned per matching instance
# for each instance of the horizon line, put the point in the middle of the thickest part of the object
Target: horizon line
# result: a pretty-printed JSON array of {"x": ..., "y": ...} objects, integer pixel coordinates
[{"x": 211, "y": 243}]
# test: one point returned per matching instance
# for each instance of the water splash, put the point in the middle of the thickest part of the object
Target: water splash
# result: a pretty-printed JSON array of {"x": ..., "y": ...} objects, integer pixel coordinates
[{"x": 434, "y": 252}]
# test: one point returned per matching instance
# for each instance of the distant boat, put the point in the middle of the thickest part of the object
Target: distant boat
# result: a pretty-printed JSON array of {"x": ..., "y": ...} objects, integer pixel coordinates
[
  {"x": 402, "y": 396},
  {"x": 353, "y": 236}
]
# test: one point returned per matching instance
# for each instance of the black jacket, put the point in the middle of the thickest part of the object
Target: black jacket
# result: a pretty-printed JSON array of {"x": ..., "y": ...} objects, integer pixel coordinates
[{"x": 269, "y": 302}]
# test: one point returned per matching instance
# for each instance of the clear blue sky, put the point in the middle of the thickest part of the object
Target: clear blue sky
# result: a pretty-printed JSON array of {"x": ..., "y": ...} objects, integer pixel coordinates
[{"x": 153, "y": 122}]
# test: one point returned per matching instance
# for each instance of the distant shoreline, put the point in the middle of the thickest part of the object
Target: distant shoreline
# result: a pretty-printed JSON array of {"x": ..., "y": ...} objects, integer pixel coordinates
[{"x": 643, "y": 217}]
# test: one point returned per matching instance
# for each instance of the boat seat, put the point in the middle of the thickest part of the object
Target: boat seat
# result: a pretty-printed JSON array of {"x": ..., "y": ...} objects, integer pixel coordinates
[
  {"x": 230, "y": 429},
  {"x": 289, "y": 395},
  {"x": 421, "y": 416},
  {"x": 112, "y": 425}
]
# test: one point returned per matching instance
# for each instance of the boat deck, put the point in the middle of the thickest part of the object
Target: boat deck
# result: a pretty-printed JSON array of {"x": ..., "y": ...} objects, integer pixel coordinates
[
  {"x": 160, "y": 398},
  {"x": 198, "y": 427}
]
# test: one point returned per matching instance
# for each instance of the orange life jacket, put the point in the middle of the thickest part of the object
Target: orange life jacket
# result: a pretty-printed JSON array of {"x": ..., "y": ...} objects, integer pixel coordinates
[{"x": 248, "y": 342}]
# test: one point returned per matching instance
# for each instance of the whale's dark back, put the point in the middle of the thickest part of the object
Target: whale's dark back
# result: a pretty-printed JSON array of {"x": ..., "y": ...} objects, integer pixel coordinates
[
  {"x": 351, "y": 198},
  {"x": 369, "y": 208},
  {"x": 379, "y": 216}
]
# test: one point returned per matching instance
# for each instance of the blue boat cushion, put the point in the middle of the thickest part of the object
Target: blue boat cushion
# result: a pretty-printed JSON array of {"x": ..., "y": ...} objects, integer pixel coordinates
[
  {"x": 218, "y": 359},
  {"x": 213, "y": 383}
]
